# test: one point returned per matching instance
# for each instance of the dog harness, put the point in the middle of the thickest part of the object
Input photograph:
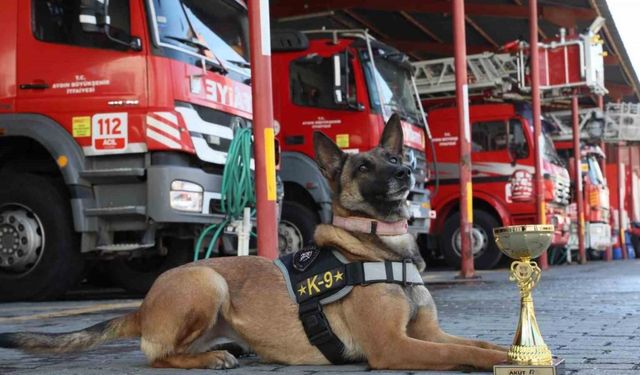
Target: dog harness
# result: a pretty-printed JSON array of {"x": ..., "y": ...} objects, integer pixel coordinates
[{"x": 319, "y": 276}]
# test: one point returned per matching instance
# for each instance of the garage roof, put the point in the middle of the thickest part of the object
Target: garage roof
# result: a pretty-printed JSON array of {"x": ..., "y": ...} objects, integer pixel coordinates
[{"x": 423, "y": 29}]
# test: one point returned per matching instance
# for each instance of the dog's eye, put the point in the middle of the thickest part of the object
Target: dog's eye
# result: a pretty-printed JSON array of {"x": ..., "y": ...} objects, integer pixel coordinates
[
  {"x": 393, "y": 160},
  {"x": 363, "y": 168}
]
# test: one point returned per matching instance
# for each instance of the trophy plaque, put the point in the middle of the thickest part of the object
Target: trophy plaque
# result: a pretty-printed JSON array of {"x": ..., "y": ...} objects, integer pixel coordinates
[{"x": 528, "y": 355}]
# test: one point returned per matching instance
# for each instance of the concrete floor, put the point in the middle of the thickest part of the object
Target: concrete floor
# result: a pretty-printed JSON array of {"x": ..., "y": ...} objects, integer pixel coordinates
[{"x": 589, "y": 315}]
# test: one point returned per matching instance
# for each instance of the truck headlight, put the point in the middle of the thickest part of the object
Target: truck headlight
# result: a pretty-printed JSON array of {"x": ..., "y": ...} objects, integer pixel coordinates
[{"x": 186, "y": 196}]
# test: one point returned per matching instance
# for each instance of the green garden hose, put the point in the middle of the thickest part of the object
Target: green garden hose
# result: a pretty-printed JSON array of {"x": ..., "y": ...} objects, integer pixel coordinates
[{"x": 237, "y": 191}]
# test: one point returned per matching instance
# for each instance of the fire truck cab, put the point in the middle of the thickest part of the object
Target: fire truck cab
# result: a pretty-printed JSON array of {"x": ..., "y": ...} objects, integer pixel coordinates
[
  {"x": 345, "y": 84},
  {"x": 115, "y": 122},
  {"x": 503, "y": 165}
]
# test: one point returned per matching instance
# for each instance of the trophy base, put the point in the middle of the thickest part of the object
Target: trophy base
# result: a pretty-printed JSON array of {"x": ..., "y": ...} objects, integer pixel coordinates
[{"x": 555, "y": 368}]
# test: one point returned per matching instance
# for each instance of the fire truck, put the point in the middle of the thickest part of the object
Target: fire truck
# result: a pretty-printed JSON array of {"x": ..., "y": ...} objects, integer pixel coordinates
[
  {"x": 597, "y": 229},
  {"x": 622, "y": 137},
  {"x": 345, "y": 84},
  {"x": 502, "y": 139},
  {"x": 115, "y": 122}
]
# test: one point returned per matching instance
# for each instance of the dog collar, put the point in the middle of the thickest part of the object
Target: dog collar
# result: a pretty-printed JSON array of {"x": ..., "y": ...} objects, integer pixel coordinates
[{"x": 372, "y": 226}]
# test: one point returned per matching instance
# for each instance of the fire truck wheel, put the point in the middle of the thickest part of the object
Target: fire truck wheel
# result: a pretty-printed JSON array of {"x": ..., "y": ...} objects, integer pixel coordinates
[
  {"x": 296, "y": 227},
  {"x": 39, "y": 249},
  {"x": 136, "y": 275},
  {"x": 485, "y": 251}
]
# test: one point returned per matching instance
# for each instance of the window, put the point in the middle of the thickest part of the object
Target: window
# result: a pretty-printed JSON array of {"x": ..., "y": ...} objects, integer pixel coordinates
[
  {"x": 311, "y": 79},
  {"x": 57, "y": 21},
  {"x": 495, "y": 136}
]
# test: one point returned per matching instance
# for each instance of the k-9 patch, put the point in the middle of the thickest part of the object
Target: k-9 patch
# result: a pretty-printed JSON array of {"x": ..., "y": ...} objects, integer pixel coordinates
[{"x": 315, "y": 273}]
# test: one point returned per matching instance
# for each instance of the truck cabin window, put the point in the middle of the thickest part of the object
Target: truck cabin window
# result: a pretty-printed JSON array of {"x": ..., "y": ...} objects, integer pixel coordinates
[
  {"x": 312, "y": 85},
  {"x": 499, "y": 135},
  {"x": 57, "y": 21}
]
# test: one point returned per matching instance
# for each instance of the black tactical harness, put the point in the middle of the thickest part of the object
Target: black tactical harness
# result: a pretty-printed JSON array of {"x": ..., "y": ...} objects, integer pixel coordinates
[{"x": 319, "y": 276}]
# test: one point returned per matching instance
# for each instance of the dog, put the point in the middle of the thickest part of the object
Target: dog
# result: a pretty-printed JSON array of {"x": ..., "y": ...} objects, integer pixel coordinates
[{"x": 191, "y": 308}]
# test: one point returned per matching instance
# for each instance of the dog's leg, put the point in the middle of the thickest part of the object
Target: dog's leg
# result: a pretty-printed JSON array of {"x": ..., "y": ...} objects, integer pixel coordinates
[
  {"x": 217, "y": 359},
  {"x": 425, "y": 327},
  {"x": 378, "y": 316},
  {"x": 182, "y": 306}
]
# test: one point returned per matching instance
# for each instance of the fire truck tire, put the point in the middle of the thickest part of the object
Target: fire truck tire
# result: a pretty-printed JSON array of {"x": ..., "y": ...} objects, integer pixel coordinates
[
  {"x": 136, "y": 275},
  {"x": 486, "y": 252},
  {"x": 39, "y": 249},
  {"x": 296, "y": 227}
]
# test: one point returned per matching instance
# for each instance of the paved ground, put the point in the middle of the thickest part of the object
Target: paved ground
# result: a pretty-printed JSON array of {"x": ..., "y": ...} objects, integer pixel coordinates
[{"x": 589, "y": 315}]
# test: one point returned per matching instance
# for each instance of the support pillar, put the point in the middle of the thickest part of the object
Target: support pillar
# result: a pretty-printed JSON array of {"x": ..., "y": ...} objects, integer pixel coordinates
[
  {"x": 537, "y": 125},
  {"x": 578, "y": 177},
  {"x": 464, "y": 139},
  {"x": 264, "y": 146},
  {"x": 608, "y": 253}
]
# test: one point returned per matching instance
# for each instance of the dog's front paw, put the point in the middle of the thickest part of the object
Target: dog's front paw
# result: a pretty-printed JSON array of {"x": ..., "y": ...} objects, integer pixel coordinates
[{"x": 223, "y": 360}]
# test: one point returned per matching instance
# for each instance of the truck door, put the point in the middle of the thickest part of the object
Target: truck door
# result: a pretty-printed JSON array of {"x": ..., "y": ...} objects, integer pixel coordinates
[{"x": 85, "y": 81}]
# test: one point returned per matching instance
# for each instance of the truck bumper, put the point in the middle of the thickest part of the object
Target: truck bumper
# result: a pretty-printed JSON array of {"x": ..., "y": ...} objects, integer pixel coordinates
[
  {"x": 421, "y": 215},
  {"x": 598, "y": 236},
  {"x": 159, "y": 179}
]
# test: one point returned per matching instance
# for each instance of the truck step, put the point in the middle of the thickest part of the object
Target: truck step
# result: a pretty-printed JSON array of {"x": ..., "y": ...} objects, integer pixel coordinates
[
  {"x": 115, "y": 175},
  {"x": 112, "y": 211},
  {"x": 125, "y": 246}
]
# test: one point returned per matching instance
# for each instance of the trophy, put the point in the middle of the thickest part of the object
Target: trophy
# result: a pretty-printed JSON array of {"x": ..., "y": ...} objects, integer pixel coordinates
[{"x": 528, "y": 355}]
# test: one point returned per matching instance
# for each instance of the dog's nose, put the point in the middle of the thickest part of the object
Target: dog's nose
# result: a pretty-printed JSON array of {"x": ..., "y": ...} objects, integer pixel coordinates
[{"x": 403, "y": 172}]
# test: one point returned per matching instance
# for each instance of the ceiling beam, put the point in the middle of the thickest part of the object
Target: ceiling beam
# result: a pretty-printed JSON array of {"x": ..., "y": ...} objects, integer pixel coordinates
[
  {"x": 619, "y": 91},
  {"x": 480, "y": 31},
  {"x": 611, "y": 59},
  {"x": 560, "y": 15},
  {"x": 384, "y": 36},
  {"x": 367, "y": 24},
  {"x": 420, "y": 26}
]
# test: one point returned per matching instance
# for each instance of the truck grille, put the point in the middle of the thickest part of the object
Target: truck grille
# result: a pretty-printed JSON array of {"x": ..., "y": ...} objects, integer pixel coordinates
[
  {"x": 211, "y": 130},
  {"x": 561, "y": 190}
]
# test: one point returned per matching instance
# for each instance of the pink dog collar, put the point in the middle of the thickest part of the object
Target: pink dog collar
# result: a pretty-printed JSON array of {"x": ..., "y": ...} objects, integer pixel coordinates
[{"x": 364, "y": 225}]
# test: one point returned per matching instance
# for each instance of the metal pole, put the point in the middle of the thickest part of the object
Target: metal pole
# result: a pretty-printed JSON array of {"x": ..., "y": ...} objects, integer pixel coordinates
[
  {"x": 462, "y": 103},
  {"x": 608, "y": 253},
  {"x": 621, "y": 179},
  {"x": 578, "y": 178},
  {"x": 264, "y": 146},
  {"x": 537, "y": 125}
]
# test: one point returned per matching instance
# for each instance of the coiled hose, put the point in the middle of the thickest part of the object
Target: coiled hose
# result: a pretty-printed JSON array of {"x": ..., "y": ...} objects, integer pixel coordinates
[{"x": 237, "y": 191}]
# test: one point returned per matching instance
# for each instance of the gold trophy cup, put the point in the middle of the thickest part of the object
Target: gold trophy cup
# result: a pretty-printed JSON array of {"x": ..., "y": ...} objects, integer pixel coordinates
[{"x": 528, "y": 355}]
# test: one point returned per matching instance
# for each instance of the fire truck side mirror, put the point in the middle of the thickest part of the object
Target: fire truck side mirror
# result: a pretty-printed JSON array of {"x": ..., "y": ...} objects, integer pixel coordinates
[
  {"x": 339, "y": 94},
  {"x": 93, "y": 16}
]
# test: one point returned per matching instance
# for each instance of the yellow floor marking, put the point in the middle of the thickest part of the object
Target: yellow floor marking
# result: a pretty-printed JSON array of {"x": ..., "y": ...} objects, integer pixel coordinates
[{"x": 71, "y": 312}]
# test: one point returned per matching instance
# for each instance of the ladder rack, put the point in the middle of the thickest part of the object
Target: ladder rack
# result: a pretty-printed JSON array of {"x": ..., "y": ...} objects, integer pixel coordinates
[
  {"x": 621, "y": 122},
  {"x": 486, "y": 71}
]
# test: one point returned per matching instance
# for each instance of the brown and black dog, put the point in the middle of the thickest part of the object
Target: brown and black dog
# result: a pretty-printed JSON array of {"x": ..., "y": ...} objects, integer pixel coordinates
[{"x": 191, "y": 308}]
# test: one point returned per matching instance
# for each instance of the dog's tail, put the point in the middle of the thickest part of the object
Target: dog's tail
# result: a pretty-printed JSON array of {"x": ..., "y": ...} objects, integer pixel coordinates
[{"x": 122, "y": 327}]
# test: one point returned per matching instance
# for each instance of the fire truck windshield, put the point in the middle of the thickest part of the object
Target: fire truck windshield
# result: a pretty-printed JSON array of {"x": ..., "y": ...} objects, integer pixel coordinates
[
  {"x": 595, "y": 173},
  {"x": 549, "y": 151},
  {"x": 215, "y": 29},
  {"x": 395, "y": 86}
]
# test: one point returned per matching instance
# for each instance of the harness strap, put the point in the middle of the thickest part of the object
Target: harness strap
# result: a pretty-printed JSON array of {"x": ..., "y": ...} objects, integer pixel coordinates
[{"x": 319, "y": 332}]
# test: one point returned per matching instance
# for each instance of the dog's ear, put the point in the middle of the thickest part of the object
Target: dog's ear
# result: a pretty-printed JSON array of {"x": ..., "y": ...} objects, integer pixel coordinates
[
  {"x": 328, "y": 156},
  {"x": 392, "y": 137}
]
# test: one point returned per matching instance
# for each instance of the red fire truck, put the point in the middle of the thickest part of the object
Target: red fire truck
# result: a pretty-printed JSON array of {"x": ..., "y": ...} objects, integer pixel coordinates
[
  {"x": 115, "y": 121},
  {"x": 597, "y": 230},
  {"x": 622, "y": 134},
  {"x": 345, "y": 84},
  {"x": 503, "y": 166},
  {"x": 503, "y": 161}
]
